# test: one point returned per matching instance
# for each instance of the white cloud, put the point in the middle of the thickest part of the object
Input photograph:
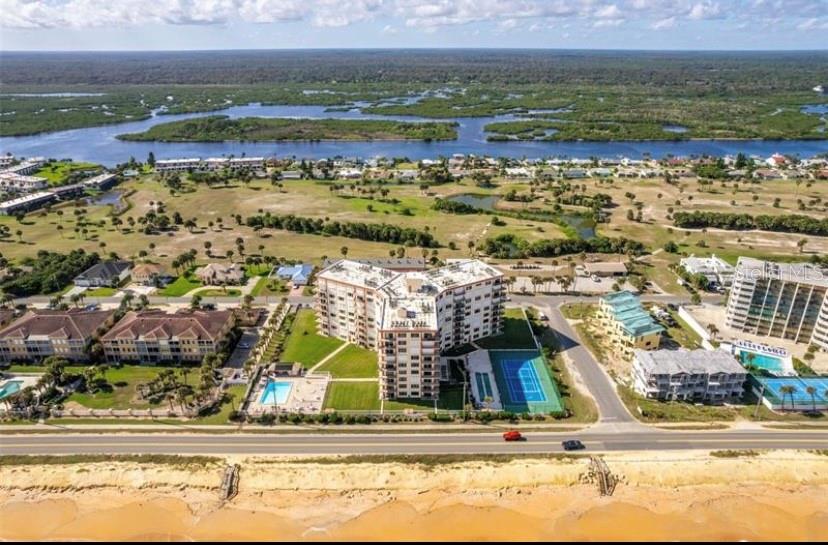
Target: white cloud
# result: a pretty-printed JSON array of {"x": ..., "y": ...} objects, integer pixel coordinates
[
  {"x": 705, "y": 10},
  {"x": 813, "y": 23},
  {"x": 663, "y": 24},
  {"x": 609, "y": 12},
  {"x": 423, "y": 14}
]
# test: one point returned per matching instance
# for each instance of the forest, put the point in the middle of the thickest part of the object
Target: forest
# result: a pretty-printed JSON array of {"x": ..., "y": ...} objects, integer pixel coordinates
[
  {"x": 376, "y": 232},
  {"x": 793, "y": 223},
  {"x": 221, "y": 128},
  {"x": 560, "y": 95}
]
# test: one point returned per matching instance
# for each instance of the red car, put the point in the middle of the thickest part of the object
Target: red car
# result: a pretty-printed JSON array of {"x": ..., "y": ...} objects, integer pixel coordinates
[{"x": 512, "y": 435}]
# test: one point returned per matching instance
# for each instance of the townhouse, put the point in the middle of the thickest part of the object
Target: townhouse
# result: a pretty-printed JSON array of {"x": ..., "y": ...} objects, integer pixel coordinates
[
  {"x": 697, "y": 376},
  {"x": 153, "y": 336},
  {"x": 42, "y": 333}
]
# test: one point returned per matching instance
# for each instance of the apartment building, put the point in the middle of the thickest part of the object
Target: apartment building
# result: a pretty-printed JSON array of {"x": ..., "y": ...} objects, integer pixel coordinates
[
  {"x": 42, "y": 333},
  {"x": 21, "y": 182},
  {"x": 409, "y": 318},
  {"x": 210, "y": 164},
  {"x": 627, "y": 324},
  {"x": 177, "y": 165},
  {"x": 154, "y": 336},
  {"x": 783, "y": 300},
  {"x": 697, "y": 376}
]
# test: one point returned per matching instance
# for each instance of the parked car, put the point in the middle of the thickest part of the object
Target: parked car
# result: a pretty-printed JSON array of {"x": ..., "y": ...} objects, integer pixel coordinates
[
  {"x": 244, "y": 345},
  {"x": 512, "y": 435},
  {"x": 572, "y": 444},
  {"x": 543, "y": 317}
]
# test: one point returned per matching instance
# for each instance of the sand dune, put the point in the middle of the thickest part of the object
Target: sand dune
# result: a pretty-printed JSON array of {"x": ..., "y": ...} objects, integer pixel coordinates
[{"x": 771, "y": 497}]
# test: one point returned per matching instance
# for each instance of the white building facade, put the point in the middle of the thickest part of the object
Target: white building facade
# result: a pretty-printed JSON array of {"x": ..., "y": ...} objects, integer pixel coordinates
[
  {"x": 409, "y": 318},
  {"x": 698, "y": 376},
  {"x": 783, "y": 300}
]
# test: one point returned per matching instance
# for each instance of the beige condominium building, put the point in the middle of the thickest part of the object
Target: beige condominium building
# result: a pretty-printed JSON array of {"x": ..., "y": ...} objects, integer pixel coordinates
[
  {"x": 409, "y": 318},
  {"x": 42, "y": 333},
  {"x": 784, "y": 300},
  {"x": 153, "y": 336}
]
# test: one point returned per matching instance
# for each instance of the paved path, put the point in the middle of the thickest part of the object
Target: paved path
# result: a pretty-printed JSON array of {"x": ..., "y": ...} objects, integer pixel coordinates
[
  {"x": 600, "y": 385},
  {"x": 324, "y": 360}
]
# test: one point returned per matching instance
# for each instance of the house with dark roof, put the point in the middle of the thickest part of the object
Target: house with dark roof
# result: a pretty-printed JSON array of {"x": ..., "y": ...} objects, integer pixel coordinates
[
  {"x": 42, "y": 333},
  {"x": 104, "y": 274},
  {"x": 154, "y": 336}
]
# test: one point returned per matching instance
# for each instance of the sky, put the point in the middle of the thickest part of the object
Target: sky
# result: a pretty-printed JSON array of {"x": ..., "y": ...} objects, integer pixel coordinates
[{"x": 63, "y": 25}]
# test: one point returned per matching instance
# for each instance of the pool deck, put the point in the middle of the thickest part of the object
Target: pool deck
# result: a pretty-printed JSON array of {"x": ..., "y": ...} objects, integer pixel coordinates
[
  {"x": 307, "y": 394},
  {"x": 479, "y": 362}
]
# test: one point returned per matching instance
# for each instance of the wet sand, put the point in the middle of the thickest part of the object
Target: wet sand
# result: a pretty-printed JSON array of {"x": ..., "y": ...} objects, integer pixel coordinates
[{"x": 781, "y": 496}]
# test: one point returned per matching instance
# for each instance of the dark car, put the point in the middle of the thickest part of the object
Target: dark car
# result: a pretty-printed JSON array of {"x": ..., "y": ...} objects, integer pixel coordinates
[{"x": 573, "y": 444}]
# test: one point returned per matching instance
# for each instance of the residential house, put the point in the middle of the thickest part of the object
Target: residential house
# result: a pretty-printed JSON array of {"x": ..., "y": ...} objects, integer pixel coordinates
[
  {"x": 150, "y": 274},
  {"x": 104, "y": 274},
  {"x": 218, "y": 273},
  {"x": 299, "y": 275},
  {"x": 153, "y": 336},
  {"x": 42, "y": 333}
]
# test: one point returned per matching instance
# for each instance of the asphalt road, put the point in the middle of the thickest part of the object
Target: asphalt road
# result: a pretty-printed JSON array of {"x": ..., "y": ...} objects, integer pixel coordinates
[
  {"x": 595, "y": 440},
  {"x": 599, "y": 384}
]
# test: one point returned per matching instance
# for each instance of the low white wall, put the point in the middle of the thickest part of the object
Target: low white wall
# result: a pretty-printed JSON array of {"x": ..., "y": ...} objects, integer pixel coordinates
[{"x": 688, "y": 318}]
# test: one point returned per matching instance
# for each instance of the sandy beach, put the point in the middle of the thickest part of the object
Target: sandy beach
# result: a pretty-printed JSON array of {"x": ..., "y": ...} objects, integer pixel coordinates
[{"x": 660, "y": 496}]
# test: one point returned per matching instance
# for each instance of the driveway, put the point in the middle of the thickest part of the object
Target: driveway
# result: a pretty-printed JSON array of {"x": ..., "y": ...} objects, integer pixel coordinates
[{"x": 249, "y": 338}]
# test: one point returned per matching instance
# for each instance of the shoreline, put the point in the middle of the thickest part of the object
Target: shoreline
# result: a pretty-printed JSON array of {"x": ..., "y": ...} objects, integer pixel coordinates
[{"x": 779, "y": 495}]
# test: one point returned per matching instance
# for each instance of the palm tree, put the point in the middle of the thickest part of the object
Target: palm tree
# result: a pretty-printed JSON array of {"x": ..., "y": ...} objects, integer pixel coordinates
[
  {"x": 786, "y": 390},
  {"x": 812, "y": 392}
]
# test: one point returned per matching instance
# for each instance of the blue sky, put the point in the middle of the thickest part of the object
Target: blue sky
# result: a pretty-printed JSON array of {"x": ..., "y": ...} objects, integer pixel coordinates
[{"x": 265, "y": 24}]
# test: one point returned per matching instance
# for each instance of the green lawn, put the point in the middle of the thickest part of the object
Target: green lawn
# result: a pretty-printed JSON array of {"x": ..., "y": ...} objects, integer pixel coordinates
[
  {"x": 353, "y": 396},
  {"x": 183, "y": 284},
  {"x": 57, "y": 172},
  {"x": 232, "y": 399},
  {"x": 352, "y": 362},
  {"x": 682, "y": 334},
  {"x": 450, "y": 399},
  {"x": 304, "y": 344},
  {"x": 124, "y": 382},
  {"x": 269, "y": 286},
  {"x": 516, "y": 333},
  {"x": 101, "y": 292},
  {"x": 578, "y": 311},
  {"x": 650, "y": 410},
  {"x": 218, "y": 292}
]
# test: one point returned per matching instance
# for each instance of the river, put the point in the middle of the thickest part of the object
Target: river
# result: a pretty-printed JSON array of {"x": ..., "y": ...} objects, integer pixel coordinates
[{"x": 100, "y": 145}]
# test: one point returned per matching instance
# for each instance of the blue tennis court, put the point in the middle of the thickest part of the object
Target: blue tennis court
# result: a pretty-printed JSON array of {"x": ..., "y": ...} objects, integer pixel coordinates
[{"x": 522, "y": 381}]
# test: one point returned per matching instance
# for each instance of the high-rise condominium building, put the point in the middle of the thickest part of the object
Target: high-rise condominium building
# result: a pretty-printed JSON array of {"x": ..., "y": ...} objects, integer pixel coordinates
[
  {"x": 784, "y": 300},
  {"x": 409, "y": 318}
]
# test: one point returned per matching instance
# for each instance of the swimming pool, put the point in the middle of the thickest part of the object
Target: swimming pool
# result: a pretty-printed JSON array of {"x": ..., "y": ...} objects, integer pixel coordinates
[
  {"x": 276, "y": 392},
  {"x": 10, "y": 387},
  {"x": 776, "y": 365}
]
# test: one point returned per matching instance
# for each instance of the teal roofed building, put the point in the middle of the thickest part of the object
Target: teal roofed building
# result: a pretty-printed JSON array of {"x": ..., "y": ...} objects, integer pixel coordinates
[{"x": 628, "y": 324}]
